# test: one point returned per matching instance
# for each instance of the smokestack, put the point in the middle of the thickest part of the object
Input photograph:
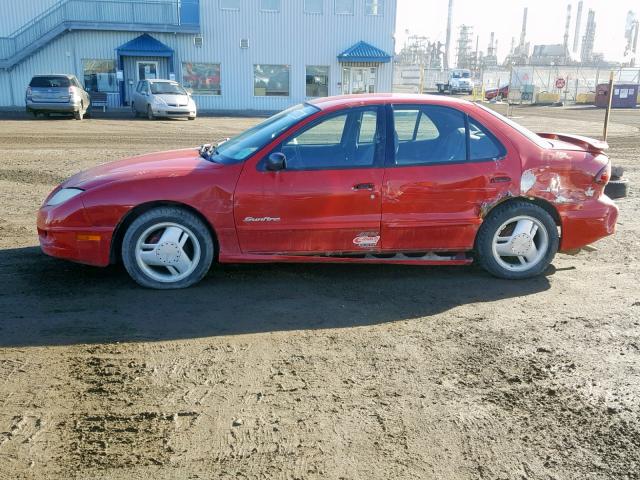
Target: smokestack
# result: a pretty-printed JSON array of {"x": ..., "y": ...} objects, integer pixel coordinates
[
  {"x": 523, "y": 33},
  {"x": 566, "y": 32},
  {"x": 447, "y": 45},
  {"x": 576, "y": 36},
  {"x": 490, "y": 49}
]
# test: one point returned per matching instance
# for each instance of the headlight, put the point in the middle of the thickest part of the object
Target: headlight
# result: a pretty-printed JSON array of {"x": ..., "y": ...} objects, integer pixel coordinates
[{"x": 63, "y": 195}]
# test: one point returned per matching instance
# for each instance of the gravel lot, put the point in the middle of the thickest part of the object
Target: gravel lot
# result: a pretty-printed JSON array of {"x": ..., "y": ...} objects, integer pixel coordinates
[{"x": 310, "y": 371}]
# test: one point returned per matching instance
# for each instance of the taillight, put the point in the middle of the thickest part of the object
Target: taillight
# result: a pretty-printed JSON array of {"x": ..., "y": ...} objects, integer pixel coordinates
[
  {"x": 70, "y": 92},
  {"x": 29, "y": 92},
  {"x": 604, "y": 175}
]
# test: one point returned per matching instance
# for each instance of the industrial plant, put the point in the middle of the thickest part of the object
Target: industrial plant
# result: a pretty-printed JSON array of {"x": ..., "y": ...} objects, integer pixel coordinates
[{"x": 575, "y": 47}]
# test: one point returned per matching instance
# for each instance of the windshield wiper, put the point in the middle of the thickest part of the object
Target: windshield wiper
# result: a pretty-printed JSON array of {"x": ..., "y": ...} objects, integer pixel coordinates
[{"x": 207, "y": 151}]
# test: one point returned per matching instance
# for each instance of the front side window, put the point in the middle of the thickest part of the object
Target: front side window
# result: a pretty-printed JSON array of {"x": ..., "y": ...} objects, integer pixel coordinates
[
  {"x": 313, "y": 6},
  {"x": 271, "y": 80},
  {"x": 429, "y": 134},
  {"x": 317, "y": 80},
  {"x": 344, "y": 7},
  {"x": 201, "y": 78},
  {"x": 373, "y": 7},
  {"x": 270, "y": 5},
  {"x": 241, "y": 147},
  {"x": 342, "y": 140},
  {"x": 100, "y": 75},
  {"x": 230, "y": 4}
]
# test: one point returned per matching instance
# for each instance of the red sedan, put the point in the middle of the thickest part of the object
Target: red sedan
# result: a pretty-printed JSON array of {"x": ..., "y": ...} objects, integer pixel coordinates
[{"x": 409, "y": 179}]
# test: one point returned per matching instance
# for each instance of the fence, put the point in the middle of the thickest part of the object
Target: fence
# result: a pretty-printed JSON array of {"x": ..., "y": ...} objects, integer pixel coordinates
[{"x": 526, "y": 83}]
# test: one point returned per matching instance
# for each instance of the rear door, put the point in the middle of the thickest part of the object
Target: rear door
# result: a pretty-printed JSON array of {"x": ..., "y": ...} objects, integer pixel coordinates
[
  {"x": 328, "y": 197},
  {"x": 444, "y": 167}
]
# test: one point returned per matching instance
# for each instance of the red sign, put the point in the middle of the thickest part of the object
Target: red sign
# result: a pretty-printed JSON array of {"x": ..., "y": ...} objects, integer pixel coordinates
[{"x": 560, "y": 83}]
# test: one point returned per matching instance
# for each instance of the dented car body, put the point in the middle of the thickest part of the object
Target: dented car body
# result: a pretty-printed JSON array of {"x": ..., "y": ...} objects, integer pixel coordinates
[{"x": 366, "y": 178}]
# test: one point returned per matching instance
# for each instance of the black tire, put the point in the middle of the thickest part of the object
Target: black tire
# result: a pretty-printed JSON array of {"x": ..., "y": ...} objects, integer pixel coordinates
[
  {"x": 150, "y": 114},
  {"x": 495, "y": 219},
  {"x": 617, "y": 172},
  {"x": 617, "y": 188},
  {"x": 161, "y": 215},
  {"x": 133, "y": 109},
  {"x": 192, "y": 118}
]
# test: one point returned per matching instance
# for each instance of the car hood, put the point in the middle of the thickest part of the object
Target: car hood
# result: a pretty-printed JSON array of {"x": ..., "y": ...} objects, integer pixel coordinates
[
  {"x": 174, "y": 163},
  {"x": 169, "y": 98}
]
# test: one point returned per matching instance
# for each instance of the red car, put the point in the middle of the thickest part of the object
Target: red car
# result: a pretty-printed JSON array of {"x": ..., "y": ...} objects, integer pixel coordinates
[
  {"x": 499, "y": 93},
  {"x": 409, "y": 179}
]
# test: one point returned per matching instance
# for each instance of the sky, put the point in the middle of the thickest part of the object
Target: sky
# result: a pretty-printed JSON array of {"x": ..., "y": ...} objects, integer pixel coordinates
[{"x": 546, "y": 22}]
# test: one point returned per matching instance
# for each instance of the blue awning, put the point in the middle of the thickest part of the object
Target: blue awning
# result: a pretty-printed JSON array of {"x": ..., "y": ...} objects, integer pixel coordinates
[
  {"x": 145, "y": 45},
  {"x": 363, "y": 52}
]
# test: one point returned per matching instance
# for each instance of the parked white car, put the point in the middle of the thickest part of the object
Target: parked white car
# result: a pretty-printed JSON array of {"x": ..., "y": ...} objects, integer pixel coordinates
[{"x": 162, "y": 98}]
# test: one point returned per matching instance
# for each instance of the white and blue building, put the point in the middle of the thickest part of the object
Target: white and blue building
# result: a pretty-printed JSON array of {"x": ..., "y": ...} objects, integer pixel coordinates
[{"x": 258, "y": 55}]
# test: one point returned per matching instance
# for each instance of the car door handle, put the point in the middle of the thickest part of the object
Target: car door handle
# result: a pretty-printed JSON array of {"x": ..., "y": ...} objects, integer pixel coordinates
[{"x": 363, "y": 186}]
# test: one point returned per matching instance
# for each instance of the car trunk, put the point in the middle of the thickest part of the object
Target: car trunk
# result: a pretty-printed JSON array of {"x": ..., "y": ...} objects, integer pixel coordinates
[{"x": 50, "y": 89}]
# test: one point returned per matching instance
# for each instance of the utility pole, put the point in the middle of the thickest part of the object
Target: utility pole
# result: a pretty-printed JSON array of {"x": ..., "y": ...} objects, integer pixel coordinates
[{"x": 608, "y": 112}]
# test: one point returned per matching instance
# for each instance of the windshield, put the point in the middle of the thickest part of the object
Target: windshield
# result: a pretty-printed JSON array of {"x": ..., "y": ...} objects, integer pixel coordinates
[
  {"x": 538, "y": 140},
  {"x": 239, "y": 148},
  {"x": 160, "y": 88},
  {"x": 462, "y": 74}
]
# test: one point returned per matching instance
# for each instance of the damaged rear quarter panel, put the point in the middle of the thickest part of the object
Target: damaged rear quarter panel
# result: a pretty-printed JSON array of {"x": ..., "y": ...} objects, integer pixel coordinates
[{"x": 562, "y": 177}]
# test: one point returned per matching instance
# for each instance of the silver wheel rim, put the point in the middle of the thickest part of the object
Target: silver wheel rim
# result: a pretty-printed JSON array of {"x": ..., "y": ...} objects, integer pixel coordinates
[
  {"x": 520, "y": 243},
  {"x": 167, "y": 252}
]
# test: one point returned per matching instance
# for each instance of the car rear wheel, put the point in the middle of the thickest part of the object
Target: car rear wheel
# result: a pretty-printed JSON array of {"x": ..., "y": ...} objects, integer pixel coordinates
[
  {"x": 167, "y": 248},
  {"x": 517, "y": 240}
]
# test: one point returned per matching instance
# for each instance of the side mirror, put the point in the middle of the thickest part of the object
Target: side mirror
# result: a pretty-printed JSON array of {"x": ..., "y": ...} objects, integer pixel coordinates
[{"x": 276, "y": 161}]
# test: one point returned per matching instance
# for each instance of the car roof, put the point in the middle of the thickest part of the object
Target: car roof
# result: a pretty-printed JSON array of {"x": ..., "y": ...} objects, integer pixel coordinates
[
  {"x": 65, "y": 75},
  {"x": 325, "y": 103}
]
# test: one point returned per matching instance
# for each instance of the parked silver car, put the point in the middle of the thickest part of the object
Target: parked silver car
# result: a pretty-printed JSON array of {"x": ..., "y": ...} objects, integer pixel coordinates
[
  {"x": 57, "y": 94},
  {"x": 162, "y": 98}
]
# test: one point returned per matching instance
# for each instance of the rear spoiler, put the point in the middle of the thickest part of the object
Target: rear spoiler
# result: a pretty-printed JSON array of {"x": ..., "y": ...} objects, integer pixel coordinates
[{"x": 589, "y": 144}]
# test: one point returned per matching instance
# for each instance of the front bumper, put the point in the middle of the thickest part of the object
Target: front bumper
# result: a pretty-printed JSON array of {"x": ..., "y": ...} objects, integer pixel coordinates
[
  {"x": 593, "y": 221},
  {"x": 173, "y": 112},
  {"x": 73, "y": 238}
]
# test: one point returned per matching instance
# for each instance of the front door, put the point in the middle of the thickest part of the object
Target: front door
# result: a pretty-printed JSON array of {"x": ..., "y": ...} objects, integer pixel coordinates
[
  {"x": 444, "y": 170},
  {"x": 359, "y": 80},
  {"x": 327, "y": 199},
  {"x": 146, "y": 70}
]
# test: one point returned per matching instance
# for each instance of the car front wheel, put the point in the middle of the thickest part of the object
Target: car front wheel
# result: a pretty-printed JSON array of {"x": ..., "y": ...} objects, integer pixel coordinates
[
  {"x": 167, "y": 248},
  {"x": 517, "y": 240}
]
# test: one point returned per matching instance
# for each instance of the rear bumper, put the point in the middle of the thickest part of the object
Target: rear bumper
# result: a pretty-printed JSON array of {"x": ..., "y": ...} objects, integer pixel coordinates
[
  {"x": 82, "y": 244},
  {"x": 53, "y": 107},
  {"x": 595, "y": 219}
]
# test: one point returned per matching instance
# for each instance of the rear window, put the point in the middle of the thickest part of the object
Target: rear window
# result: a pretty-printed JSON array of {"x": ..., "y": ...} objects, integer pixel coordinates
[{"x": 49, "y": 82}]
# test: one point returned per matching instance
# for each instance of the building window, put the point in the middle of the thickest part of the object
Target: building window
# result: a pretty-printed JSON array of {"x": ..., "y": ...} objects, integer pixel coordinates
[
  {"x": 271, "y": 80},
  {"x": 313, "y": 6},
  {"x": 100, "y": 75},
  {"x": 344, "y": 7},
  {"x": 201, "y": 78},
  {"x": 373, "y": 7},
  {"x": 270, "y": 5},
  {"x": 230, "y": 4},
  {"x": 317, "y": 81}
]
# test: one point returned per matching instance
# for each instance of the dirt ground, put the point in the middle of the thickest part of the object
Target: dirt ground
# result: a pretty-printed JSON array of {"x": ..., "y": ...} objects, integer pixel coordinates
[{"x": 310, "y": 371}]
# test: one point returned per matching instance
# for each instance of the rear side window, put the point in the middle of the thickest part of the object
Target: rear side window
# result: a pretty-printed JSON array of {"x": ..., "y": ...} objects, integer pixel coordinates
[
  {"x": 429, "y": 134},
  {"x": 49, "y": 82},
  {"x": 482, "y": 144}
]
